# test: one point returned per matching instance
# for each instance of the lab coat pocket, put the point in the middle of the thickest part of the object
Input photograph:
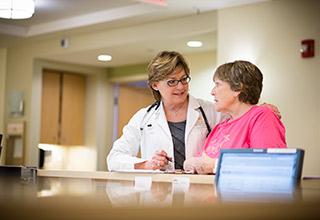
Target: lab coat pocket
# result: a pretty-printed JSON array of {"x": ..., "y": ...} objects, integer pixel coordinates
[{"x": 149, "y": 129}]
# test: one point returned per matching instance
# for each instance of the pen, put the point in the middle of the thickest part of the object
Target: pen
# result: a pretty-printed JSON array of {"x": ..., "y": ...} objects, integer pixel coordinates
[{"x": 168, "y": 158}]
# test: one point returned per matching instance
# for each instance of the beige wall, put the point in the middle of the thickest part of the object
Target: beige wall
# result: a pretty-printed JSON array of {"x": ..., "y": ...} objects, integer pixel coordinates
[
  {"x": 3, "y": 65},
  {"x": 269, "y": 35},
  {"x": 19, "y": 78},
  {"x": 202, "y": 66}
]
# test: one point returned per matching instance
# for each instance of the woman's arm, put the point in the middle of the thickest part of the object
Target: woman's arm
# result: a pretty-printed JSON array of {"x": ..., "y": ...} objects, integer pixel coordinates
[{"x": 200, "y": 165}]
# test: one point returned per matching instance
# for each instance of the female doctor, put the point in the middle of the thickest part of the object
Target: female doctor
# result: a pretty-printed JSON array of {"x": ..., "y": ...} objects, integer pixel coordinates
[{"x": 171, "y": 130}]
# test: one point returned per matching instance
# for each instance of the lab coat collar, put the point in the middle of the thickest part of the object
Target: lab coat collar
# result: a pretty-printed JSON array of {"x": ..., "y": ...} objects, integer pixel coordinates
[
  {"x": 162, "y": 120},
  {"x": 193, "y": 103},
  {"x": 192, "y": 116}
]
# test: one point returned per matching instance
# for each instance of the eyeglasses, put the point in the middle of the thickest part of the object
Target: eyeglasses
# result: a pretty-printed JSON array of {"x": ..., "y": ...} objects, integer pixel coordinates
[{"x": 173, "y": 82}]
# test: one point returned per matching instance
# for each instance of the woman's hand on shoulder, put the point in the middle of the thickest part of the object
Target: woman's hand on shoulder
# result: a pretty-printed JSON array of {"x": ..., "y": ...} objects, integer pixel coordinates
[{"x": 274, "y": 108}]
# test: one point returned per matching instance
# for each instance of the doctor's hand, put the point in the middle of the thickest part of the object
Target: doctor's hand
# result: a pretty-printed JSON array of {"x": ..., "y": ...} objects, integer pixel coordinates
[
  {"x": 273, "y": 108},
  {"x": 159, "y": 160}
]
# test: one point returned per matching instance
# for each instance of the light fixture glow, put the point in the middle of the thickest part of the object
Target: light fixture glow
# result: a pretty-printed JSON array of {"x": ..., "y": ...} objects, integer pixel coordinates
[
  {"x": 194, "y": 43},
  {"x": 104, "y": 57},
  {"x": 16, "y": 9}
]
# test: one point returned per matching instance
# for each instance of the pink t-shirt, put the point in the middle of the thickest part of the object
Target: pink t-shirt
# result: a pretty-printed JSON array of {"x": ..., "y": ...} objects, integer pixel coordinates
[{"x": 259, "y": 127}]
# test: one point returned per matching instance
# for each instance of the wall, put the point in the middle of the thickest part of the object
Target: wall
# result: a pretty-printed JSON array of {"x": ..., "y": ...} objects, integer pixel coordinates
[
  {"x": 128, "y": 73},
  {"x": 3, "y": 62},
  {"x": 269, "y": 35},
  {"x": 3, "y": 65},
  {"x": 202, "y": 66},
  {"x": 105, "y": 103}
]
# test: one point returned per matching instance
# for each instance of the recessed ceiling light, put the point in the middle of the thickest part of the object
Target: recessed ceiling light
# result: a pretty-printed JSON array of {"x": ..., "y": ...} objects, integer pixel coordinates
[
  {"x": 16, "y": 9},
  {"x": 194, "y": 43},
  {"x": 104, "y": 57}
]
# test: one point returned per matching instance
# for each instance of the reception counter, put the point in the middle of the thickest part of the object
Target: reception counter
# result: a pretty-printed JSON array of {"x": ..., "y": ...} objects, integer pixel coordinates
[
  {"x": 129, "y": 176},
  {"x": 58, "y": 194}
]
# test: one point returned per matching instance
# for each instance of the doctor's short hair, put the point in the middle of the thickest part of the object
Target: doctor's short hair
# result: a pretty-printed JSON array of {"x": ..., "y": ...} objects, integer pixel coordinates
[
  {"x": 162, "y": 66},
  {"x": 244, "y": 77}
]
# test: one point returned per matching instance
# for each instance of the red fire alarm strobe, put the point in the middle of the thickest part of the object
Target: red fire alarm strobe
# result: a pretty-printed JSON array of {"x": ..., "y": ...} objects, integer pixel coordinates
[{"x": 307, "y": 48}]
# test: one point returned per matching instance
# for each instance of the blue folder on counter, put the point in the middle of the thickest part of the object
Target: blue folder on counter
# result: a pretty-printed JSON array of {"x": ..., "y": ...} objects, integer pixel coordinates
[{"x": 271, "y": 171}]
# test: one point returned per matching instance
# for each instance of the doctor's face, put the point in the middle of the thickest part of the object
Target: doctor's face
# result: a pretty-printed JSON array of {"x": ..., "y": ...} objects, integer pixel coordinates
[{"x": 174, "y": 89}]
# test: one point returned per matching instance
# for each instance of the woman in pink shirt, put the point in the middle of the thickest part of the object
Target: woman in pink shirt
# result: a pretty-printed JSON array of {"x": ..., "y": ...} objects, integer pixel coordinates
[{"x": 237, "y": 90}]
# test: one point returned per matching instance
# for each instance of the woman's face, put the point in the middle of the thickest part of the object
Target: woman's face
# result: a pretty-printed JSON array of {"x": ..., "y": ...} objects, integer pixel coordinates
[
  {"x": 177, "y": 94},
  {"x": 224, "y": 96}
]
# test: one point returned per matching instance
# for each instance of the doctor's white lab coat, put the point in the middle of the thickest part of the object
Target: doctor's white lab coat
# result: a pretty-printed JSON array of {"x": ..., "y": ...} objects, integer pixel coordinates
[{"x": 149, "y": 132}]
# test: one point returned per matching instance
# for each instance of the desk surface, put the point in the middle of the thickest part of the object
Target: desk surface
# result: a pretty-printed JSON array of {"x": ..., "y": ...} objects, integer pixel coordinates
[
  {"x": 102, "y": 195},
  {"x": 156, "y": 177}
]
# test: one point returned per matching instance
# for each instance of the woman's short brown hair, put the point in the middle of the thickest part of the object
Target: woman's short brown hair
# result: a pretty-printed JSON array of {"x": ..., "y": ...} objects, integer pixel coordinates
[
  {"x": 244, "y": 77},
  {"x": 163, "y": 65}
]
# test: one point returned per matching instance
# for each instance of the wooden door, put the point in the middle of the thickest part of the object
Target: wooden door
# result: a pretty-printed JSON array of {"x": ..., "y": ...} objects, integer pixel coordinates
[
  {"x": 72, "y": 109},
  {"x": 50, "y": 105},
  {"x": 131, "y": 99}
]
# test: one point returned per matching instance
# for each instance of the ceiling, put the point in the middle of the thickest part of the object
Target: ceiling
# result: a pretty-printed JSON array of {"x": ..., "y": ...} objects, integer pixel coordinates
[{"x": 54, "y": 18}]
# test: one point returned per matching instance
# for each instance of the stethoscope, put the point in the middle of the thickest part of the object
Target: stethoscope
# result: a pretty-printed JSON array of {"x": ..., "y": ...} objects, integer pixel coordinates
[
  {"x": 145, "y": 120},
  {"x": 156, "y": 105}
]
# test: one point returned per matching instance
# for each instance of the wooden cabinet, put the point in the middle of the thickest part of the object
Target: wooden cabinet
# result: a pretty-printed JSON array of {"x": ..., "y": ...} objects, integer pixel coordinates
[
  {"x": 50, "y": 108},
  {"x": 72, "y": 109},
  {"x": 63, "y": 104}
]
